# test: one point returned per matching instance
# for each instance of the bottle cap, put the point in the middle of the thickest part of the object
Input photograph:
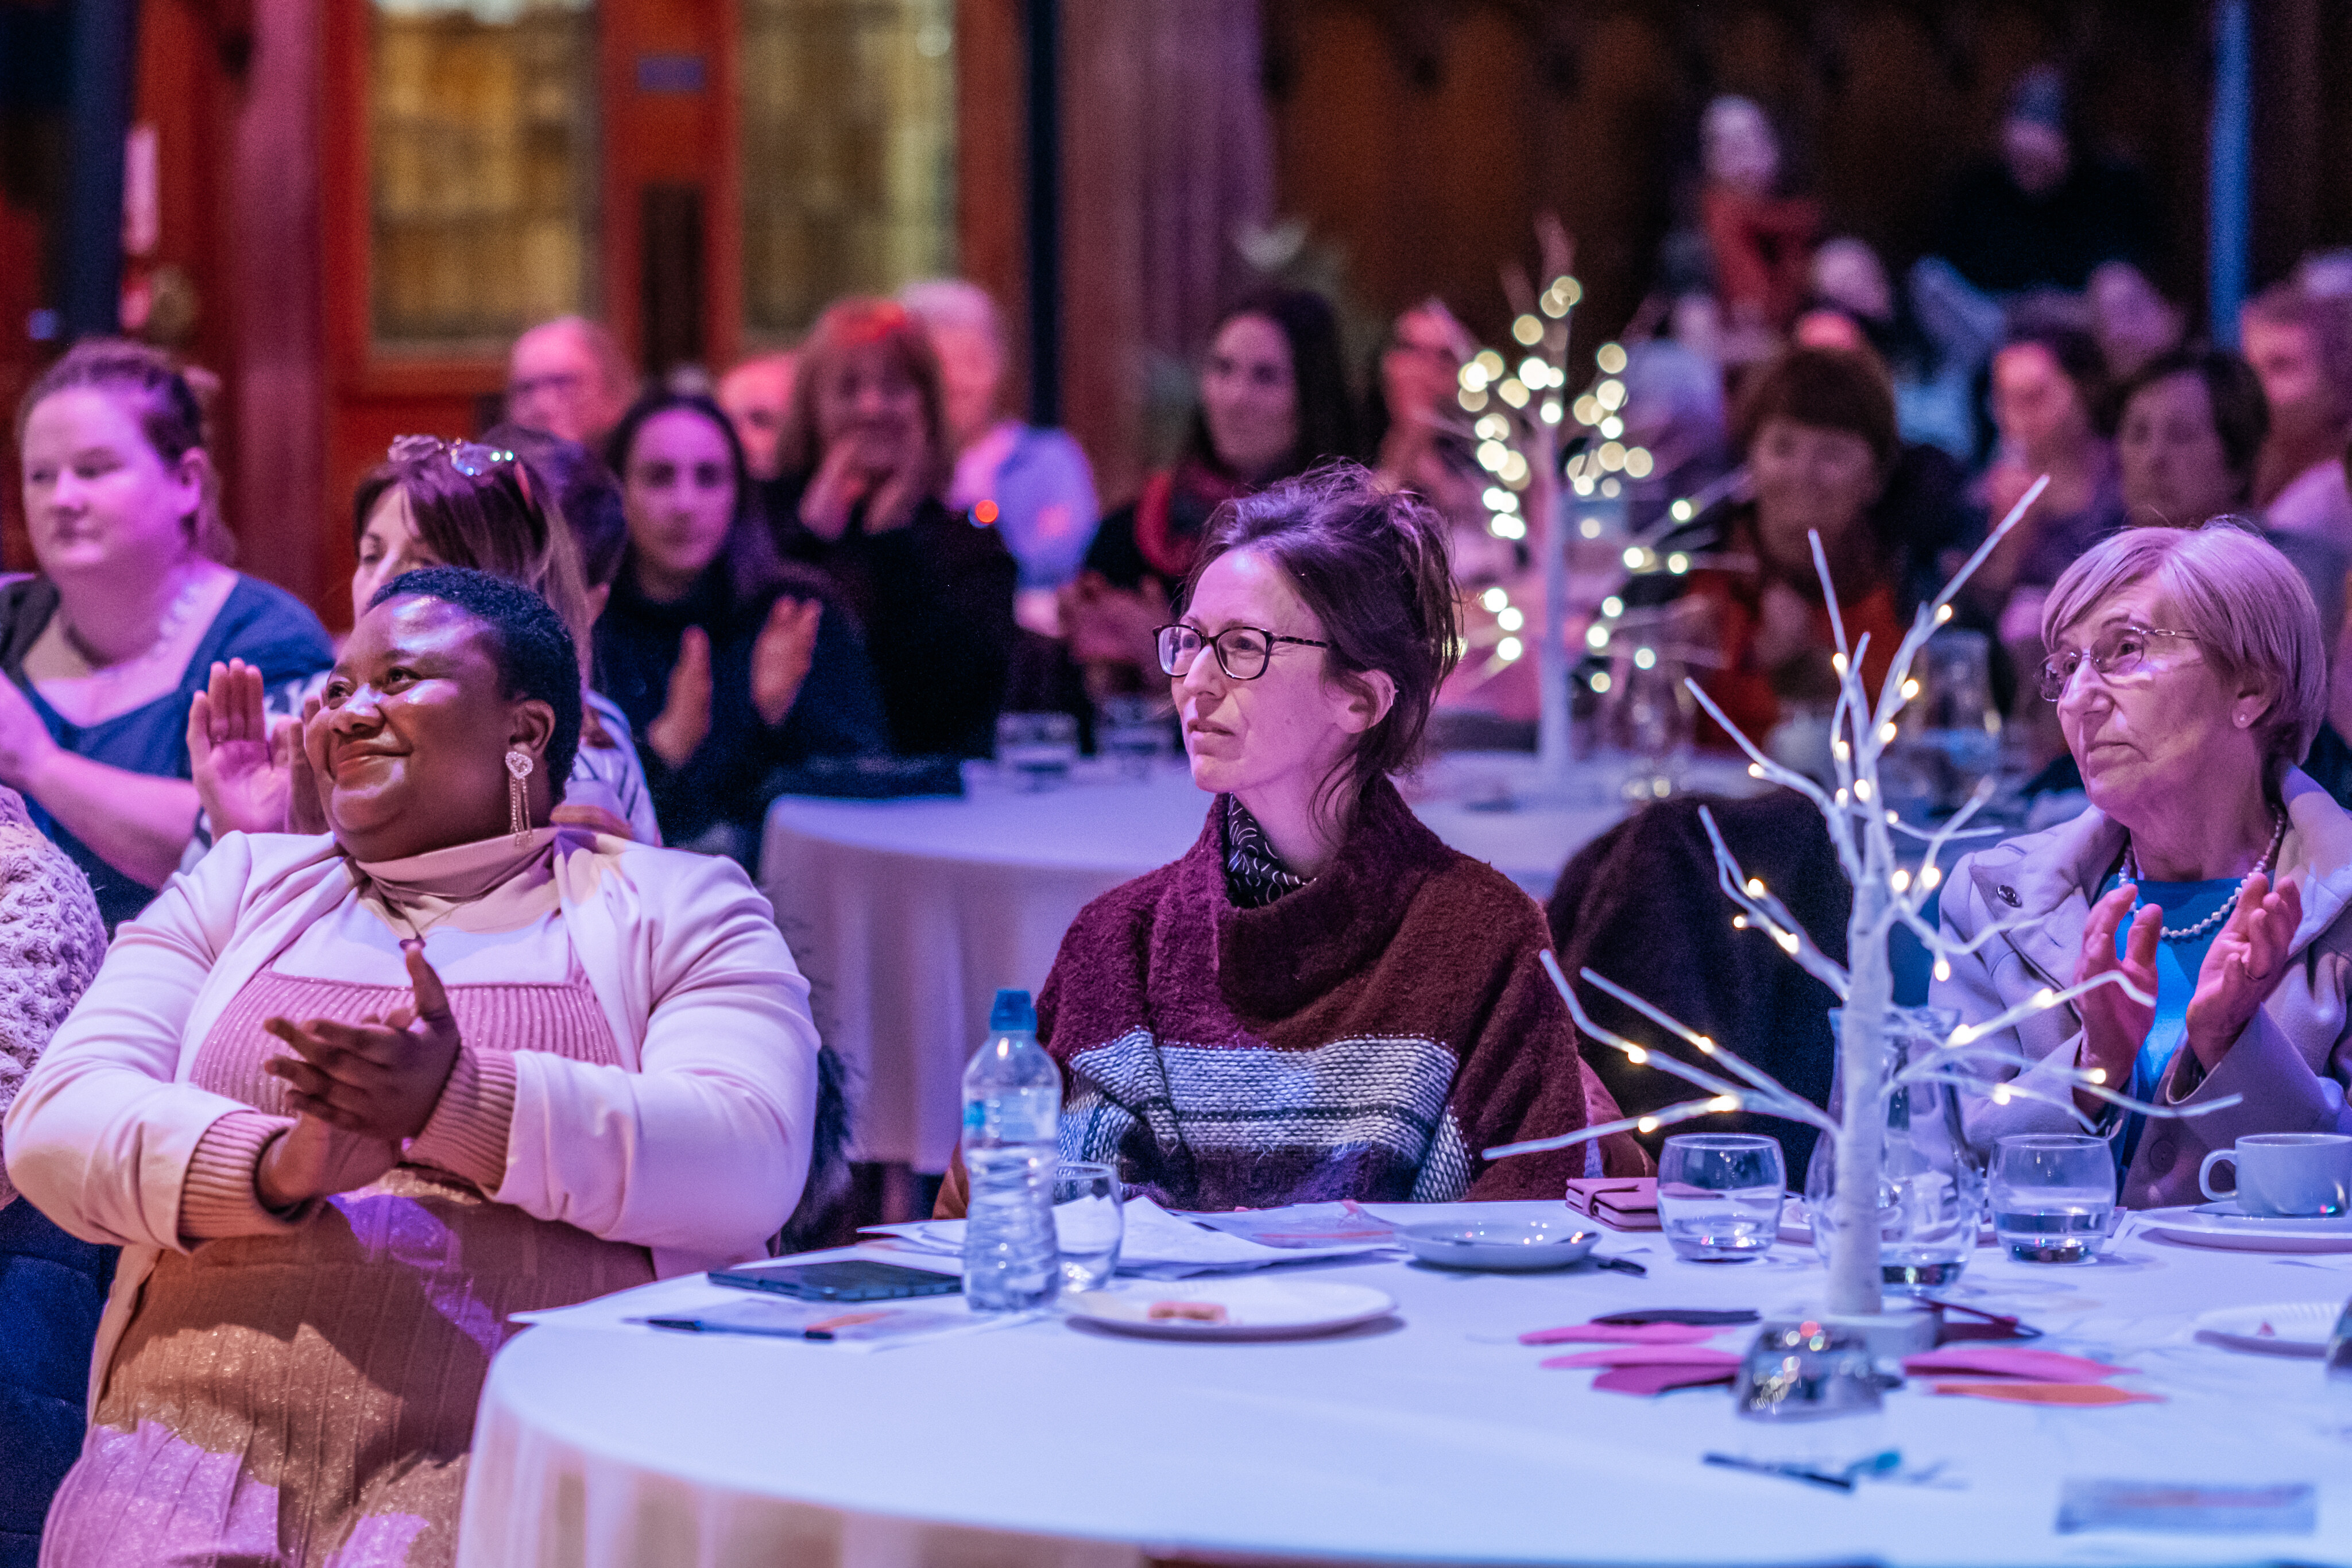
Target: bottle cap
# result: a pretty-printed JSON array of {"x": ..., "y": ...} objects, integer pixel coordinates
[{"x": 1012, "y": 1011}]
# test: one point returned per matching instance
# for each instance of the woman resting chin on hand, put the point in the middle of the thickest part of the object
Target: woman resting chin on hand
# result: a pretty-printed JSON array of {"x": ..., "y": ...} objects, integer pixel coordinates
[
  {"x": 2190, "y": 677},
  {"x": 348, "y": 1103}
]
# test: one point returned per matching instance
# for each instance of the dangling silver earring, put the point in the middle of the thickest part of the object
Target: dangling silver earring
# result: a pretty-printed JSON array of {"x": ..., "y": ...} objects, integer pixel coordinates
[{"x": 519, "y": 766}]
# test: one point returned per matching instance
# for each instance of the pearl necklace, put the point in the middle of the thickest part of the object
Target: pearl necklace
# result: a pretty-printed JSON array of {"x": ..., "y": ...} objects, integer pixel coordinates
[
  {"x": 2131, "y": 875},
  {"x": 108, "y": 677}
]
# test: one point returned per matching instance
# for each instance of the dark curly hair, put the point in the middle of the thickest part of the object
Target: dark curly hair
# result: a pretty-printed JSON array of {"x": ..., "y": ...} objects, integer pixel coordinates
[
  {"x": 1372, "y": 566},
  {"x": 535, "y": 655}
]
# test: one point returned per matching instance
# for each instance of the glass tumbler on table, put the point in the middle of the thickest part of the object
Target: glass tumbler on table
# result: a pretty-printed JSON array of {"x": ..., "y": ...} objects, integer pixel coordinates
[
  {"x": 1036, "y": 750},
  {"x": 1088, "y": 1224},
  {"x": 1133, "y": 731},
  {"x": 2052, "y": 1195},
  {"x": 1719, "y": 1196}
]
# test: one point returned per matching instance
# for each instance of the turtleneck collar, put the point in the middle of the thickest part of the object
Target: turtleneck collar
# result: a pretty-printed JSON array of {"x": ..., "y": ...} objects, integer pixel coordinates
[{"x": 490, "y": 885}]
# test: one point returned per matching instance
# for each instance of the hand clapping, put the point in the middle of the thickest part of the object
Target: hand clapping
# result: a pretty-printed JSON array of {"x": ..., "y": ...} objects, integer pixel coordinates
[
  {"x": 2243, "y": 966},
  {"x": 242, "y": 768},
  {"x": 782, "y": 655},
  {"x": 683, "y": 722},
  {"x": 2115, "y": 1027}
]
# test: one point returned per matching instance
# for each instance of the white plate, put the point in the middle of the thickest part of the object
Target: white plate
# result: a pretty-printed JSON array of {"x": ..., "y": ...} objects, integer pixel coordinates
[
  {"x": 1510, "y": 1245},
  {"x": 2195, "y": 1227},
  {"x": 2283, "y": 1328},
  {"x": 1254, "y": 1309}
]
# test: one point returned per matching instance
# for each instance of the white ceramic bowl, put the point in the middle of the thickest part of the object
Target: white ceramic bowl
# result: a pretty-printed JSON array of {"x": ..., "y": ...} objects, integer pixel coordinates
[{"x": 1514, "y": 1244}]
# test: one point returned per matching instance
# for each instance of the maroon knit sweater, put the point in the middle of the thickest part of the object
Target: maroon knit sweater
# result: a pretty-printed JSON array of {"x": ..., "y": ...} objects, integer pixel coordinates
[{"x": 1362, "y": 1037}]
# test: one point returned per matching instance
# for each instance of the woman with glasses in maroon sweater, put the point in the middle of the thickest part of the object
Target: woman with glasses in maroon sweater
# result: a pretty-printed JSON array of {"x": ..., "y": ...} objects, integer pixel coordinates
[{"x": 1319, "y": 1000}]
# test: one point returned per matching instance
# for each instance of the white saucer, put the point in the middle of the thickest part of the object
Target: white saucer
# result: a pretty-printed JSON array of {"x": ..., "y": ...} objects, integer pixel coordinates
[
  {"x": 1252, "y": 1308},
  {"x": 1516, "y": 1246},
  {"x": 2285, "y": 1328},
  {"x": 2208, "y": 1225}
]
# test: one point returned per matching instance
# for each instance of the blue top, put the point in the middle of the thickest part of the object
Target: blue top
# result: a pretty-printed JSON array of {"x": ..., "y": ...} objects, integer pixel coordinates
[
  {"x": 2177, "y": 967},
  {"x": 264, "y": 625}
]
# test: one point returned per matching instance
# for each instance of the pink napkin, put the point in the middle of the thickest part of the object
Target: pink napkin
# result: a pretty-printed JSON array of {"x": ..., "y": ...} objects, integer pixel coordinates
[
  {"x": 1622, "y": 1333},
  {"x": 2008, "y": 1361},
  {"x": 1660, "y": 1378},
  {"x": 1648, "y": 1355}
]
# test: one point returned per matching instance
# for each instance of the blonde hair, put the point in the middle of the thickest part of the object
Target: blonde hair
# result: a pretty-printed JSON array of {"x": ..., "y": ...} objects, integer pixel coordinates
[{"x": 2247, "y": 606}]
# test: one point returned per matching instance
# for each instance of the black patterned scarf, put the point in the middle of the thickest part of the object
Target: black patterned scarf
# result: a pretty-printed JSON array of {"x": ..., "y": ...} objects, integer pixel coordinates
[{"x": 1255, "y": 874}]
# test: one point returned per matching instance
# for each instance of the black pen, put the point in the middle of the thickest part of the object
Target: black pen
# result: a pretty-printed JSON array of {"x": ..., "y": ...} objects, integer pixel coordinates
[
  {"x": 695, "y": 1325},
  {"x": 1622, "y": 1265}
]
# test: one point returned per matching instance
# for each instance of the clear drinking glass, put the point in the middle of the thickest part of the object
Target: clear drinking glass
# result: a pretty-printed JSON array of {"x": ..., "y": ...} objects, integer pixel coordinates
[
  {"x": 1036, "y": 749},
  {"x": 2052, "y": 1194},
  {"x": 1088, "y": 1224},
  {"x": 1132, "y": 731},
  {"x": 1719, "y": 1195},
  {"x": 2337, "y": 1368}
]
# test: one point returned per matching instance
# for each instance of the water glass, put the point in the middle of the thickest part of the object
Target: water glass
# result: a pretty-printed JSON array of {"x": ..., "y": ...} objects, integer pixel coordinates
[
  {"x": 2052, "y": 1194},
  {"x": 1088, "y": 1224},
  {"x": 1133, "y": 732},
  {"x": 2337, "y": 1368},
  {"x": 1036, "y": 750},
  {"x": 1719, "y": 1196}
]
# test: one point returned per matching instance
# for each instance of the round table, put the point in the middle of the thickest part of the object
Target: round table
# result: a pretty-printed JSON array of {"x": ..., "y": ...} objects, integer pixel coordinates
[
  {"x": 908, "y": 916},
  {"x": 1431, "y": 1437}
]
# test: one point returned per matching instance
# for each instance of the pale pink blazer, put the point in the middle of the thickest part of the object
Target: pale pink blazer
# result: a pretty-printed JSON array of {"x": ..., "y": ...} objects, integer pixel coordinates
[{"x": 697, "y": 1152}]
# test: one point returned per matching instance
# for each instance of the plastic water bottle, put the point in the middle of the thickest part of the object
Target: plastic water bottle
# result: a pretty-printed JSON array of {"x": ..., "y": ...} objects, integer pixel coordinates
[{"x": 1011, "y": 1101}]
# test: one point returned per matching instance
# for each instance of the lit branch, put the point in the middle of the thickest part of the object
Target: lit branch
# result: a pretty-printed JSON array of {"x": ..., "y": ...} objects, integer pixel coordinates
[
  {"x": 1762, "y": 905},
  {"x": 1760, "y": 1082}
]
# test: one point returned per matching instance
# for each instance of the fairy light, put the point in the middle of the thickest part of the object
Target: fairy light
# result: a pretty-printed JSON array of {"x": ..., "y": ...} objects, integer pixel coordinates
[
  {"x": 1612, "y": 606},
  {"x": 1611, "y": 428},
  {"x": 1739, "y": 923},
  {"x": 1910, "y": 689},
  {"x": 1639, "y": 463},
  {"x": 1931, "y": 876},
  {"x": 1550, "y": 411},
  {"x": 1587, "y": 409},
  {"x": 1646, "y": 658},
  {"x": 1471, "y": 399},
  {"x": 1590, "y": 527},
  {"x": 1682, "y": 511},
  {"x": 1610, "y": 487},
  {"x": 1597, "y": 638},
  {"x": 1612, "y": 456},
  {"x": 1611, "y": 394},
  {"x": 1510, "y": 619},
  {"x": 1489, "y": 362},
  {"x": 1837, "y": 662},
  {"x": 1647, "y": 1124},
  {"x": 1943, "y": 968},
  {"x": 1534, "y": 371},
  {"x": 1900, "y": 881},
  {"x": 1677, "y": 563},
  {"x": 1602, "y": 683},
  {"x": 1494, "y": 599},
  {"x": 1861, "y": 788},
  {"x": 1943, "y": 613},
  {"x": 1611, "y": 358},
  {"x": 1491, "y": 454},
  {"x": 1636, "y": 557},
  {"x": 1513, "y": 391},
  {"x": 1527, "y": 330},
  {"x": 1509, "y": 648},
  {"x": 1756, "y": 770},
  {"x": 1888, "y": 732},
  {"x": 1724, "y": 1102}
]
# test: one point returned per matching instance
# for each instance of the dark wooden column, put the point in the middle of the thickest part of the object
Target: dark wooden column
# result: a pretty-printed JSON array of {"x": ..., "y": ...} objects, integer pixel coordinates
[{"x": 279, "y": 380}]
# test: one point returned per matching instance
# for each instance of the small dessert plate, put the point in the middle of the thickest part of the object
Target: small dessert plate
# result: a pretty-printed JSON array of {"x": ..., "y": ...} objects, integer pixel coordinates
[
  {"x": 1514, "y": 1246},
  {"x": 1231, "y": 1309},
  {"x": 2205, "y": 1225},
  {"x": 2283, "y": 1328}
]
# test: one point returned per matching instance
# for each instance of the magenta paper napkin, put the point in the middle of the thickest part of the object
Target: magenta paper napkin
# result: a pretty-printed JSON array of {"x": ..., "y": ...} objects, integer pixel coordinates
[
  {"x": 1647, "y": 1355},
  {"x": 1622, "y": 1333},
  {"x": 2009, "y": 1361},
  {"x": 1660, "y": 1378}
]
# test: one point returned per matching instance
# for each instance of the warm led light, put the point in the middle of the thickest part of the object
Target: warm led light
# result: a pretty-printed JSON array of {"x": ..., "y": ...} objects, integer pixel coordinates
[
  {"x": 1513, "y": 391},
  {"x": 1492, "y": 427},
  {"x": 1931, "y": 876},
  {"x": 2097, "y": 1075},
  {"x": 1861, "y": 788},
  {"x": 1636, "y": 1055},
  {"x": 1612, "y": 456},
  {"x": 1888, "y": 732},
  {"x": 1534, "y": 372},
  {"x": 1910, "y": 689},
  {"x": 1611, "y": 394},
  {"x": 1612, "y": 606},
  {"x": 1611, "y": 358},
  {"x": 1494, "y": 599},
  {"x": 1610, "y": 487},
  {"x": 1901, "y": 879},
  {"x": 1638, "y": 462},
  {"x": 1676, "y": 563},
  {"x": 1489, "y": 361},
  {"x": 1491, "y": 454},
  {"x": 1472, "y": 400},
  {"x": 1509, "y": 648},
  {"x": 1587, "y": 409},
  {"x": 1474, "y": 377},
  {"x": 1943, "y": 613},
  {"x": 1637, "y": 557},
  {"x": 1611, "y": 428},
  {"x": 1788, "y": 940},
  {"x": 1837, "y": 662},
  {"x": 1601, "y": 682},
  {"x": 1647, "y": 1124},
  {"x": 1646, "y": 658},
  {"x": 1510, "y": 619},
  {"x": 1943, "y": 968},
  {"x": 1527, "y": 330},
  {"x": 1597, "y": 638},
  {"x": 1724, "y": 1102},
  {"x": 1755, "y": 887},
  {"x": 1756, "y": 770},
  {"x": 1706, "y": 1045},
  {"x": 1682, "y": 511},
  {"x": 1739, "y": 923},
  {"x": 1590, "y": 527},
  {"x": 1551, "y": 412},
  {"x": 2001, "y": 1093},
  {"x": 2045, "y": 997}
]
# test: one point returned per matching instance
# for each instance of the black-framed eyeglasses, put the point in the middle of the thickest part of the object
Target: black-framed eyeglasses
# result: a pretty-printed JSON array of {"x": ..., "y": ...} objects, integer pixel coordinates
[
  {"x": 1242, "y": 650},
  {"x": 2117, "y": 651},
  {"x": 470, "y": 458}
]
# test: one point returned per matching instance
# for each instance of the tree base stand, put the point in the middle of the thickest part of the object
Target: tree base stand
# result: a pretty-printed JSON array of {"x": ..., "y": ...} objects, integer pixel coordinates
[{"x": 1901, "y": 1327}]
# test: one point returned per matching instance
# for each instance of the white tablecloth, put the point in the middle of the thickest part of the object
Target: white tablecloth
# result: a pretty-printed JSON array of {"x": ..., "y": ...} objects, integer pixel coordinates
[
  {"x": 906, "y": 916},
  {"x": 1434, "y": 1436}
]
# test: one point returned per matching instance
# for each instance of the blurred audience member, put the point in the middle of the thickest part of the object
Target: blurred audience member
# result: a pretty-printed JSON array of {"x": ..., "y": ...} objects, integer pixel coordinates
[
  {"x": 2132, "y": 321},
  {"x": 1818, "y": 429},
  {"x": 2300, "y": 347},
  {"x": 1854, "y": 306},
  {"x": 867, "y": 461},
  {"x": 52, "y": 1285},
  {"x": 2046, "y": 386},
  {"x": 1274, "y": 402},
  {"x": 1760, "y": 240},
  {"x": 569, "y": 378},
  {"x": 2326, "y": 274},
  {"x": 757, "y": 395},
  {"x": 727, "y": 664},
  {"x": 1412, "y": 408},
  {"x": 2191, "y": 426},
  {"x": 102, "y": 652},
  {"x": 2047, "y": 211},
  {"x": 1030, "y": 483}
]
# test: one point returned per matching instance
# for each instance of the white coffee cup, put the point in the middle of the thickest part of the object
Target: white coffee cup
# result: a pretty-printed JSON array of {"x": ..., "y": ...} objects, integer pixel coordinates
[{"x": 2286, "y": 1174}]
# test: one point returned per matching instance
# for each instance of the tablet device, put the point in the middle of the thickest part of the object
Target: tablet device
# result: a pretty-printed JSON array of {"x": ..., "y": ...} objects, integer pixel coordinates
[{"x": 844, "y": 1280}]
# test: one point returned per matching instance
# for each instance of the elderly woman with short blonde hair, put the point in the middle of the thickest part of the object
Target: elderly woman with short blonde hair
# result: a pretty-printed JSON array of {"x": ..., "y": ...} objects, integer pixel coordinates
[{"x": 2190, "y": 677}]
